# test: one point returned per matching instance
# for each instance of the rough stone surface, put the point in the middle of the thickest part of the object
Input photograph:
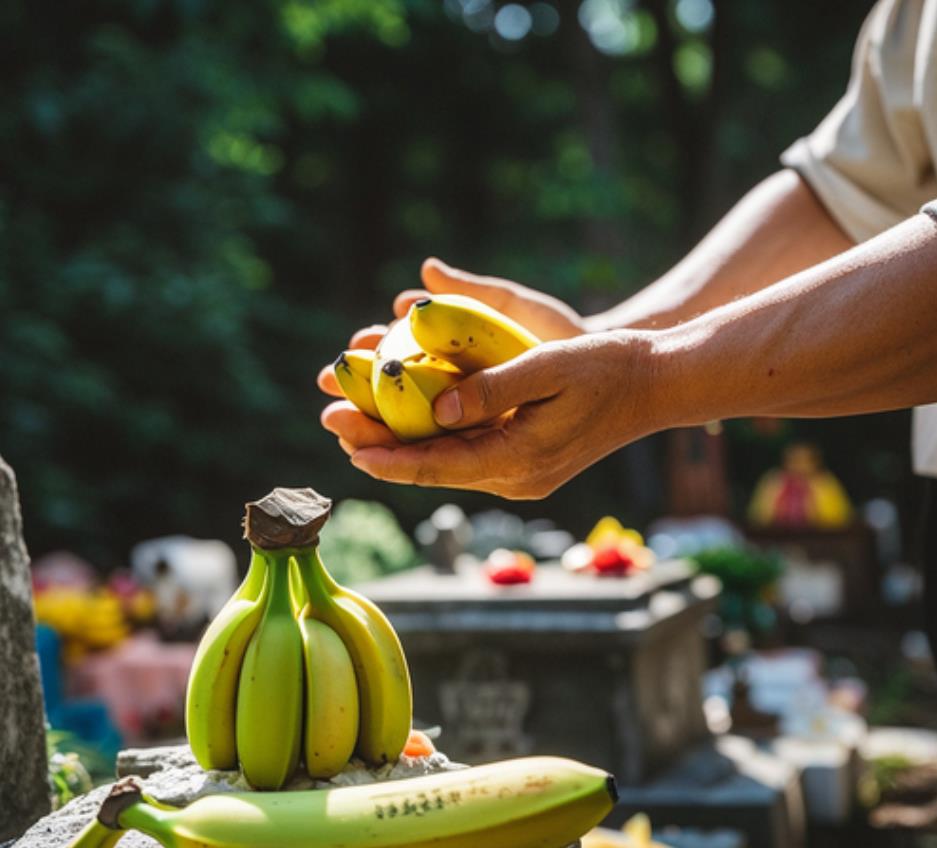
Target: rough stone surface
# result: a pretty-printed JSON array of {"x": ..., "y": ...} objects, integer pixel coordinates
[
  {"x": 170, "y": 774},
  {"x": 24, "y": 782}
]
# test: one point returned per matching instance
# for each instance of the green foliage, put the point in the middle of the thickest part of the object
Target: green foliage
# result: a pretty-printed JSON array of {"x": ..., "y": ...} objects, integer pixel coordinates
[
  {"x": 747, "y": 576},
  {"x": 363, "y": 540},
  {"x": 200, "y": 202},
  {"x": 74, "y": 768}
]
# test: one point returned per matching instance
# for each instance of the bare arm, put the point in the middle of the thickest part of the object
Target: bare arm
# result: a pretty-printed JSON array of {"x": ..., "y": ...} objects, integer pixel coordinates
[
  {"x": 776, "y": 230},
  {"x": 857, "y": 333}
]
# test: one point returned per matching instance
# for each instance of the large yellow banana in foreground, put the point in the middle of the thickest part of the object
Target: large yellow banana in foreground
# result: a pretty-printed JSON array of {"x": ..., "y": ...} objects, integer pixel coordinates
[
  {"x": 466, "y": 332},
  {"x": 353, "y": 372},
  {"x": 270, "y": 689},
  {"x": 211, "y": 695},
  {"x": 536, "y": 802},
  {"x": 331, "y": 710},
  {"x": 385, "y": 697}
]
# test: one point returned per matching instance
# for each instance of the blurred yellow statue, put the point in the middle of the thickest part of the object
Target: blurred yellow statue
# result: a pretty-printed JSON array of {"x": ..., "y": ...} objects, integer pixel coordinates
[{"x": 802, "y": 494}]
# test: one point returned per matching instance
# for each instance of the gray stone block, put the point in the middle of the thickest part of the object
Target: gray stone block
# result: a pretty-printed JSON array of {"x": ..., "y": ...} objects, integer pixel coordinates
[
  {"x": 727, "y": 782},
  {"x": 24, "y": 772}
]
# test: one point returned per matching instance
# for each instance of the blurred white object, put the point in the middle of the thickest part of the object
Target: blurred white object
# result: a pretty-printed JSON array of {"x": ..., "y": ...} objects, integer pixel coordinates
[
  {"x": 682, "y": 537},
  {"x": 914, "y": 744},
  {"x": 882, "y": 516},
  {"x": 902, "y": 584},
  {"x": 827, "y": 777},
  {"x": 915, "y": 646},
  {"x": 191, "y": 578},
  {"x": 811, "y": 589}
]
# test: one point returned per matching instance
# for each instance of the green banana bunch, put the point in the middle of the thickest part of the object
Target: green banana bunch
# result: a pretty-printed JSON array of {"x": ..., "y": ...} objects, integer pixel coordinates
[
  {"x": 442, "y": 339},
  {"x": 295, "y": 664},
  {"x": 533, "y": 802}
]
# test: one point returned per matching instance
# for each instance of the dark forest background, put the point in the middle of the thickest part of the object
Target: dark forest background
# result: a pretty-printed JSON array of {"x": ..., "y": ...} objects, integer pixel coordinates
[{"x": 200, "y": 201}]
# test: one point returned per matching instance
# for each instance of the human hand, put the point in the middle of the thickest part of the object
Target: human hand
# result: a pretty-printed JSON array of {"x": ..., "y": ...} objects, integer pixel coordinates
[{"x": 556, "y": 409}]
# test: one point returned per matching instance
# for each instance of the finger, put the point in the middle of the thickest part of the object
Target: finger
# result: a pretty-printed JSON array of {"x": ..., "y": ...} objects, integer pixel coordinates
[
  {"x": 349, "y": 423},
  {"x": 405, "y": 299},
  {"x": 328, "y": 383},
  {"x": 368, "y": 337},
  {"x": 449, "y": 461},
  {"x": 440, "y": 278},
  {"x": 485, "y": 395},
  {"x": 348, "y": 447}
]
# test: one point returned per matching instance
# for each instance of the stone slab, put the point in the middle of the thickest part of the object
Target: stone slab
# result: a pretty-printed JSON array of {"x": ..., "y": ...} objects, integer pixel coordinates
[
  {"x": 24, "y": 772},
  {"x": 726, "y": 782}
]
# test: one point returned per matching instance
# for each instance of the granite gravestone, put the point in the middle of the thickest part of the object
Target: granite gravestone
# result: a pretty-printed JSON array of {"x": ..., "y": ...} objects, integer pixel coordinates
[
  {"x": 24, "y": 782},
  {"x": 599, "y": 669}
]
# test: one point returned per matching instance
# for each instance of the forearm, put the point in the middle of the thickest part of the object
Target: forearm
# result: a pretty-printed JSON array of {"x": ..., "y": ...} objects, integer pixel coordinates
[
  {"x": 855, "y": 334},
  {"x": 776, "y": 230}
]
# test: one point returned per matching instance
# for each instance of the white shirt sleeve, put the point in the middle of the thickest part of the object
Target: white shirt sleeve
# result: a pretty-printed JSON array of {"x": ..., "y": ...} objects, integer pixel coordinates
[{"x": 871, "y": 160}]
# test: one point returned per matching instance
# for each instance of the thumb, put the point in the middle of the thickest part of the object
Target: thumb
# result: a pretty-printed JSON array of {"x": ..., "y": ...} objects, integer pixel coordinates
[
  {"x": 439, "y": 278},
  {"x": 485, "y": 395}
]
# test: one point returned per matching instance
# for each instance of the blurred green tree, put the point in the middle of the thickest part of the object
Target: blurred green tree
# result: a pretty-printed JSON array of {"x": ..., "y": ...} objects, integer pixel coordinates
[{"x": 199, "y": 201}]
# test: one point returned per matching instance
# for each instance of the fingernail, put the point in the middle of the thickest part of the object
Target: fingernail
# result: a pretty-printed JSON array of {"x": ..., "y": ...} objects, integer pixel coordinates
[{"x": 448, "y": 408}]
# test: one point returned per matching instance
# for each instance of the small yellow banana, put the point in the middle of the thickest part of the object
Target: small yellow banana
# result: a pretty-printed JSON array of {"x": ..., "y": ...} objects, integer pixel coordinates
[
  {"x": 331, "y": 710},
  {"x": 466, "y": 332},
  {"x": 211, "y": 695},
  {"x": 534, "y": 802},
  {"x": 385, "y": 697},
  {"x": 270, "y": 688},
  {"x": 405, "y": 390},
  {"x": 353, "y": 372}
]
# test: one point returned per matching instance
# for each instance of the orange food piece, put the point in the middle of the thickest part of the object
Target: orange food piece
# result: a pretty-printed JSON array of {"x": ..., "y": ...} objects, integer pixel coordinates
[{"x": 419, "y": 745}]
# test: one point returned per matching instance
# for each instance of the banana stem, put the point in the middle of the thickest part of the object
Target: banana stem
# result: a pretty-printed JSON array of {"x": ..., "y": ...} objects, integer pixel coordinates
[
  {"x": 318, "y": 582},
  {"x": 152, "y": 821},
  {"x": 278, "y": 563},
  {"x": 253, "y": 582}
]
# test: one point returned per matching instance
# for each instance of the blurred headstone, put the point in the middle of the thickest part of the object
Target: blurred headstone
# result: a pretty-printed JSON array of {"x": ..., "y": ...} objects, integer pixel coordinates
[
  {"x": 24, "y": 776},
  {"x": 190, "y": 578},
  {"x": 444, "y": 536}
]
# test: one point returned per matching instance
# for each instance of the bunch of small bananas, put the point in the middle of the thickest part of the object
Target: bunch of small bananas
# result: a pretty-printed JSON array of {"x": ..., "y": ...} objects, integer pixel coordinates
[
  {"x": 442, "y": 339},
  {"x": 295, "y": 664}
]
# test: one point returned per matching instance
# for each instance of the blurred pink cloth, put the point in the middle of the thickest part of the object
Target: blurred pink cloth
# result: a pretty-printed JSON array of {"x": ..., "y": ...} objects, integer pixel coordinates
[{"x": 142, "y": 681}]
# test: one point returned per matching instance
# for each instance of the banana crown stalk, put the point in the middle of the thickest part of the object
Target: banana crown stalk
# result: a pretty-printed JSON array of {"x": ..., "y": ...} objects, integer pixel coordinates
[
  {"x": 532, "y": 802},
  {"x": 296, "y": 666}
]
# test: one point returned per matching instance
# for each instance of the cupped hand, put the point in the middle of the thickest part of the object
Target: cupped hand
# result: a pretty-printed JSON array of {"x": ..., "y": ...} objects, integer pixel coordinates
[
  {"x": 542, "y": 314},
  {"x": 557, "y": 409}
]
